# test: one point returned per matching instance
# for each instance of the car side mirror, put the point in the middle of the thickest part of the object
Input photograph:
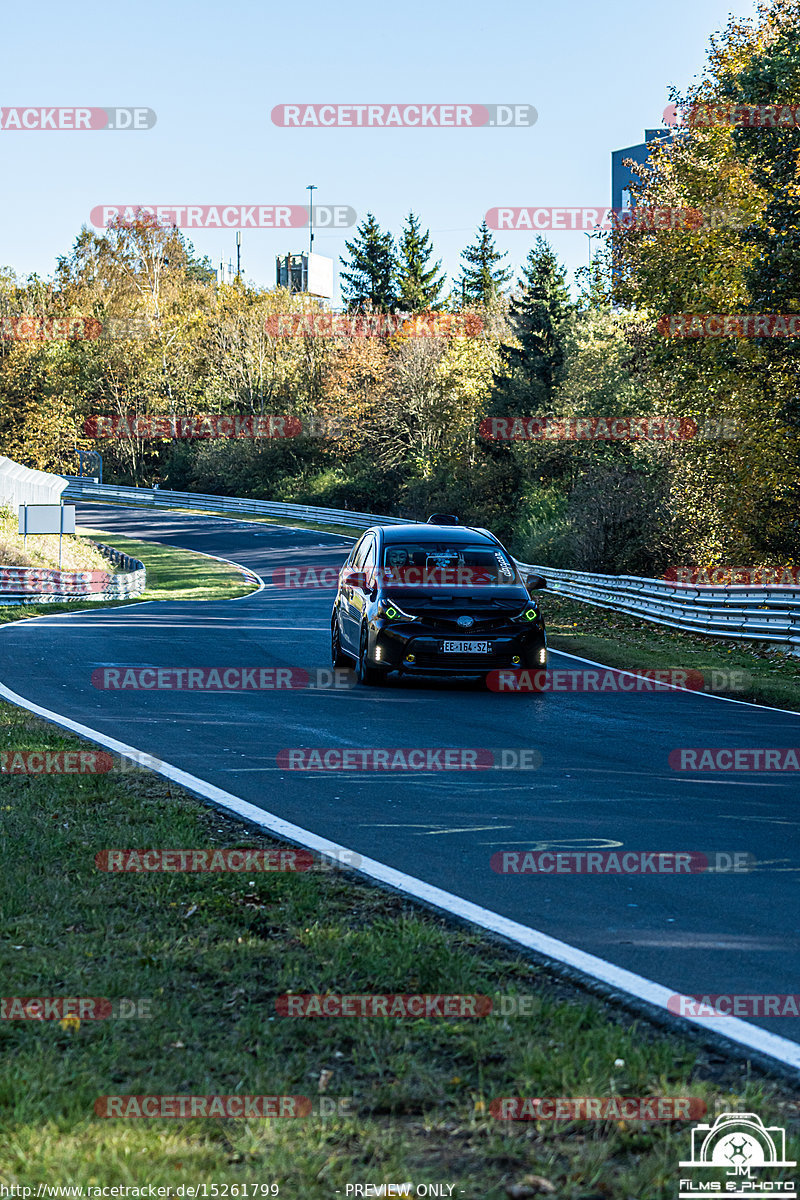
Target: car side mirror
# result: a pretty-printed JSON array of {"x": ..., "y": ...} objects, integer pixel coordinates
[
  {"x": 355, "y": 579},
  {"x": 535, "y": 583}
]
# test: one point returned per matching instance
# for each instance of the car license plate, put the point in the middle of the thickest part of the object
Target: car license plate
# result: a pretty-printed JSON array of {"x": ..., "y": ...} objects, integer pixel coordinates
[{"x": 466, "y": 648}]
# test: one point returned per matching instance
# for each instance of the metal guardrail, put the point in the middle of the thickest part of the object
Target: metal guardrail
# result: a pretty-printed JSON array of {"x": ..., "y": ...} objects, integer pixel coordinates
[
  {"x": 156, "y": 498},
  {"x": 44, "y": 585},
  {"x": 737, "y": 612}
]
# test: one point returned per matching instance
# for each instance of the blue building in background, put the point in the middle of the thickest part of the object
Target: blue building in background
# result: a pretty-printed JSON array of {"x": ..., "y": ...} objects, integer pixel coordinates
[{"x": 623, "y": 177}]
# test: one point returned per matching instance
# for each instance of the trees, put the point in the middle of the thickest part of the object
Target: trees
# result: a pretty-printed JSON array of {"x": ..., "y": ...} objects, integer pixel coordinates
[
  {"x": 533, "y": 363},
  {"x": 482, "y": 278},
  {"x": 773, "y": 273},
  {"x": 408, "y": 403},
  {"x": 419, "y": 285},
  {"x": 369, "y": 280},
  {"x": 736, "y": 499}
]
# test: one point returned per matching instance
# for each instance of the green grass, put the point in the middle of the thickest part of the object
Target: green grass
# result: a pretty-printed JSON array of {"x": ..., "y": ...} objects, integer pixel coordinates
[
  {"x": 171, "y": 575},
  {"x": 174, "y": 574},
  {"x": 75, "y": 552},
  {"x": 765, "y": 675},
  {"x": 212, "y": 952}
]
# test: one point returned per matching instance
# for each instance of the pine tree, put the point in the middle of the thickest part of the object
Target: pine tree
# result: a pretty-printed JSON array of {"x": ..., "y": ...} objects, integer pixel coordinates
[
  {"x": 537, "y": 312},
  {"x": 370, "y": 280},
  {"x": 418, "y": 288},
  {"x": 481, "y": 278}
]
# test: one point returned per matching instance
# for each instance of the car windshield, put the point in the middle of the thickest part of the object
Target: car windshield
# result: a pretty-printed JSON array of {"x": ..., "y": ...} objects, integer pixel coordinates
[{"x": 442, "y": 564}]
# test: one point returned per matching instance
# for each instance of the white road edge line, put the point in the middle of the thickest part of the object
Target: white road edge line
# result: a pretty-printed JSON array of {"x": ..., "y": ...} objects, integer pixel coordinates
[
  {"x": 676, "y": 687},
  {"x": 203, "y": 554},
  {"x": 740, "y": 1032}
]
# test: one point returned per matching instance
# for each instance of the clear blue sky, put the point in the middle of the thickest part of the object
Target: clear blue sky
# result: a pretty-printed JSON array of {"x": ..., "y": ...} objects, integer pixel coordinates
[{"x": 598, "y": 75}]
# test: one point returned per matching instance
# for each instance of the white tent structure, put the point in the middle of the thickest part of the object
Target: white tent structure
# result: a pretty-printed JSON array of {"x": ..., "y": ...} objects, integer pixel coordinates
[{"x": 22, "y": 485}]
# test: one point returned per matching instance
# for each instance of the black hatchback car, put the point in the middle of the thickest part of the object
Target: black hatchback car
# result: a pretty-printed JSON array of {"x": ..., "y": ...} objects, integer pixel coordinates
[{"x": 434, "y": 599}]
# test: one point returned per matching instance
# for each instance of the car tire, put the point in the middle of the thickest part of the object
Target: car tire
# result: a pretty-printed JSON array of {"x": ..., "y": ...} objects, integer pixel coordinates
[
  {"x": 338, "y": 656},
  {"x": 366, "y": 674}
]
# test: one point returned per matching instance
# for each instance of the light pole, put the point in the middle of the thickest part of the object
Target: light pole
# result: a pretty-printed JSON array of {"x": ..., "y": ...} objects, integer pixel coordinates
[{"x": 312, "y": 187}]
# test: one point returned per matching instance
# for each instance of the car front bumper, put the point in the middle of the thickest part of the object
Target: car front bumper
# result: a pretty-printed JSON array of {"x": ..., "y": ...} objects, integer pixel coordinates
[{"x": 410, "y": 648}]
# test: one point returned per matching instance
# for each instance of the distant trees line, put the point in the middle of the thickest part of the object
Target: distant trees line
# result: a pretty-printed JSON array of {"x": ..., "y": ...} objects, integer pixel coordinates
[{"x": 394, "y": 420}]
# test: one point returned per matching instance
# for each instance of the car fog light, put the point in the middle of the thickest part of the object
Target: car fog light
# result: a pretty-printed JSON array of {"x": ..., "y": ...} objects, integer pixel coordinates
[
  {"x": 516, "y": 660},
  {"x": 410, "y": 658},
  {"x": 542, "y": 657}
]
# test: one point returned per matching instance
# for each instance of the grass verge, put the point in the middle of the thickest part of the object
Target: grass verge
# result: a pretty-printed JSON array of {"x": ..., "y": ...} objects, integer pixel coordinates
[
  {"x": 172, "y": 574},
  {"x": 37, "y": 550},
  {"x": 745, "y": 671},
  {"x": 392, "y": 1100}
]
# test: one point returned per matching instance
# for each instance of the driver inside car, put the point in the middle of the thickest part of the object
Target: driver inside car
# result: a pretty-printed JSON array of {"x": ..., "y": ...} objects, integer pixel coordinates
[{"x": 396, "y": 561}]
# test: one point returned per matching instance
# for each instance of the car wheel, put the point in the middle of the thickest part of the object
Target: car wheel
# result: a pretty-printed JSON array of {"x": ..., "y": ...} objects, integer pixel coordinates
[
  {"x": 338, "y": 656},
  {"x": 365, "y": 673}
]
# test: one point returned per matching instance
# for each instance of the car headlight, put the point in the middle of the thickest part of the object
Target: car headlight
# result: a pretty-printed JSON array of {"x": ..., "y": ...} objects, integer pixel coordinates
[
  {"x": 529, "y": 614},
  {"x": 393, "y": 612}
]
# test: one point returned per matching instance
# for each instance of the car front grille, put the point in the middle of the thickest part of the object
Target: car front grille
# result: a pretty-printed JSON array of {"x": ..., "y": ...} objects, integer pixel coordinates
[{"x": 450, "y": 624}]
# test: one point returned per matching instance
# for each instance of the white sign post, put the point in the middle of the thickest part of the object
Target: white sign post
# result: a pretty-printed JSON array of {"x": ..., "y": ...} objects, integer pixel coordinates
[{"x": 46, "y": 518}]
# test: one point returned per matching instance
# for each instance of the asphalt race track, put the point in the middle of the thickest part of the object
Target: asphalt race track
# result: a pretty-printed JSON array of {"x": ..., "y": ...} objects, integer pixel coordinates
[{"x": 604, "y": 781}]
